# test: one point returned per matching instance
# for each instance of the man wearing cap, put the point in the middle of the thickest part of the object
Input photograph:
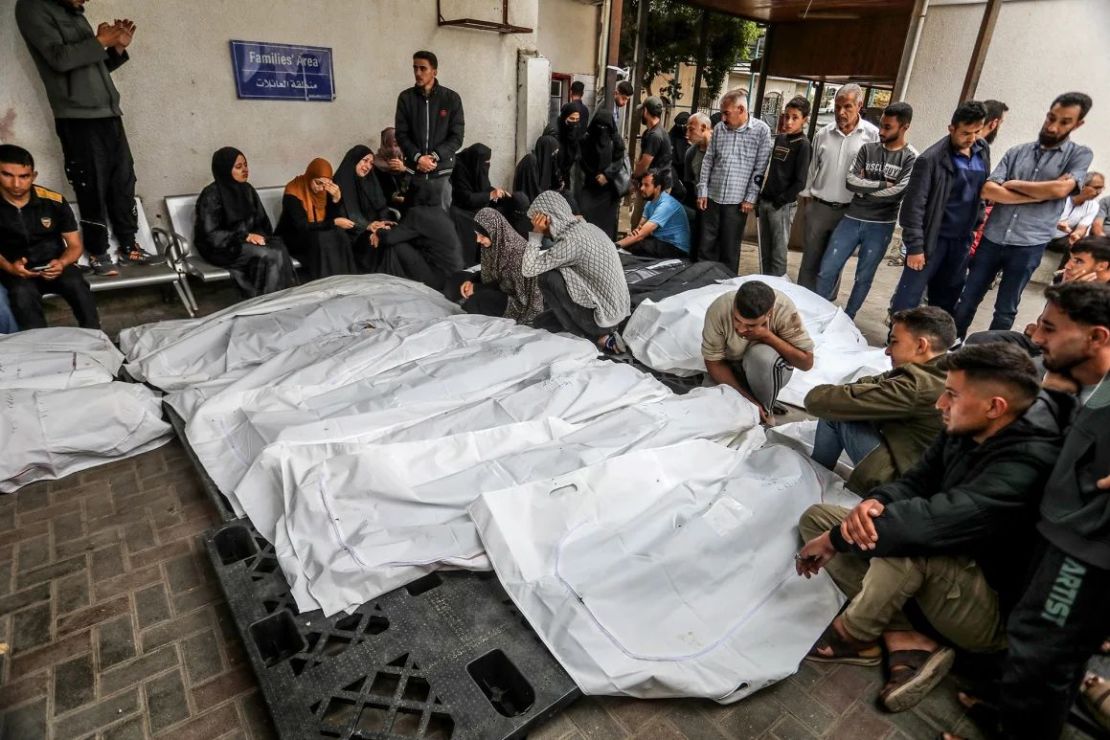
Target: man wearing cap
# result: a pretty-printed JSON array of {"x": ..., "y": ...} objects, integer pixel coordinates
[
  {"x": 655, "y": 149},
  {"x": 731, "y": 178}
]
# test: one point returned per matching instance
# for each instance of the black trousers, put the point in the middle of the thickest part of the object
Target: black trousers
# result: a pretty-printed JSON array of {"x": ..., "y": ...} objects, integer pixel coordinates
[
  {"x": 722, "y": 230},
  {"x": 1058, "y": 624},
  {"x": 652, "y": 247},
  {"x": 100, "y": 168},
  {"x": 573, "y": 318},
  {"x": 25, "y": 297}
]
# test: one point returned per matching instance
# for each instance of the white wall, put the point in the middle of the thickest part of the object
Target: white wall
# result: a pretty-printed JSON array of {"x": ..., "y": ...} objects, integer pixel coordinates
[
  {"x": 569, "y": 35},
  {"x": 1040, "y": 49},
  {"x": 178, "y": 91}
]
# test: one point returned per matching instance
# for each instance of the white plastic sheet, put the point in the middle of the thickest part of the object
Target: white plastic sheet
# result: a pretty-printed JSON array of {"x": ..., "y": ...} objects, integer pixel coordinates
[
  {"x": 62, "y": 412},
  {"x": 666, "y": 336},
  {"x": 666, "y": 572},
  {"x": 175, "y": 354}
]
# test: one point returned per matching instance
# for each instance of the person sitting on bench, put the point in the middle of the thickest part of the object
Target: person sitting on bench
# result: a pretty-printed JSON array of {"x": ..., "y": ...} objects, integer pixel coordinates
[
  {"x": 39, "y": 246},
  {"x": 233, "y": 231},
  {"x": 884, "y": 422},
  {"x": 664, "y": 231},
  {"x": 580, "y": 274},
  {"x": 314, "y": 223},
  {"x": 424, "y": 246},
  {"x": 752, "y": 341},
  {"x": 953, "y": 534}
]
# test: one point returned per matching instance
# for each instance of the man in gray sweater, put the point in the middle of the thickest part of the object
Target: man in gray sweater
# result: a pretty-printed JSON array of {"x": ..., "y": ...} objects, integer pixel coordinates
[
  {"x": 878, "y": 178},
  {"x": 75, "y": 64}
]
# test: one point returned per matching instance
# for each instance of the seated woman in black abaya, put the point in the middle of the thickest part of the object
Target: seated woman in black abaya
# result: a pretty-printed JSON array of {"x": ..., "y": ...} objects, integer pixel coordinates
[
  {"x": 309, "y": 215},
  {"x": 363, "y": 208},
  {"x": 233, "y": 231},
  {"x": 424, "y": 245},
  {"x": 470, "y": 191}
]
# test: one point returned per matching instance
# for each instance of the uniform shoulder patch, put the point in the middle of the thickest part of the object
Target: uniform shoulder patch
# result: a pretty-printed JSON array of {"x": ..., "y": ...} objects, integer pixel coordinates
[{"x": 48, "y": 194}]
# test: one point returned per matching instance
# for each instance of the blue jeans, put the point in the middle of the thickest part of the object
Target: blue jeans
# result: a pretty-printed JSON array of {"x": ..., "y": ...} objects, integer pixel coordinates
[
  {"x": 857, "y": 438},
  {"x": 872, "y": 240},
  {"x": 8, "y": 324},
  {"x": 1017, "y": 265},
  {"x": 944, "y": 275}
]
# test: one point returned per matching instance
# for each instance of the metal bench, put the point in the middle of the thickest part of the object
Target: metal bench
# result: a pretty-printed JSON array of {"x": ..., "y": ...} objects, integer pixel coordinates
[
  {"x": 141, "y": 276},
  {"x": 182, "y": 212}
]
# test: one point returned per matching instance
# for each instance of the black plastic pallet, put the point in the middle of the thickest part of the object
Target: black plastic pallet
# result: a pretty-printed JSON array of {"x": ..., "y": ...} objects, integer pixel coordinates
[
  {"x": 447, "y": 656},
  {"x": 223, "y": 506}
]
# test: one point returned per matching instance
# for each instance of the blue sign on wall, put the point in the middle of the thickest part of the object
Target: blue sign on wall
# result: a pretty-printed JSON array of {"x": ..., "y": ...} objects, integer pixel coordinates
[{"x": 282, "y": 71}]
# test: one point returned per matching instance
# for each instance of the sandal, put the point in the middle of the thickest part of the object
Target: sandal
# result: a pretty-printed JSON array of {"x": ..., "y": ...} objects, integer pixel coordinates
[
  {"x": 1095, "y": 692},
  {"x": 844, "y": 650},
  {"x": 913, "y": 674}
]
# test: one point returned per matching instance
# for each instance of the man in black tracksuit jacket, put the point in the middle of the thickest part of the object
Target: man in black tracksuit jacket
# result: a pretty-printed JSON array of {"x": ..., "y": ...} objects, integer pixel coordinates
[
  {"x": 430, "y": 127},
  {"x": 1064, "y": 614},
  {"x": 940, "y": 210}
]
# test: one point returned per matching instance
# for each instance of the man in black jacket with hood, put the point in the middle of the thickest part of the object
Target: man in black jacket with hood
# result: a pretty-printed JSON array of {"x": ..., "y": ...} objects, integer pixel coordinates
[
  {"x": 1065, "y": 612},
  {"x": 940, "y": 210},
  {"x": 947, "y": 534},
  {"x": 430, "y": 127}
]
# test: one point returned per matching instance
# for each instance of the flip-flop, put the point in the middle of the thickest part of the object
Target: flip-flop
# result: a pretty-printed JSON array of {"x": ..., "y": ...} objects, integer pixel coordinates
[
  {"x": 845, "y": 651},
  {"x": 913, "y": 674}
]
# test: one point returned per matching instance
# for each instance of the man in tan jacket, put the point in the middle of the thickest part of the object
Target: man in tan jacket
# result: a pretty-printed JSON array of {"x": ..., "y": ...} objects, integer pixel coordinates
[{"x": 885, "y": 422}]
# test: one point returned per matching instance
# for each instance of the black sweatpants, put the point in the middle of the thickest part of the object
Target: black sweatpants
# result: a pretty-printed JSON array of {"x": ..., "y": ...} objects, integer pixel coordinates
[
  {"x": 573, "y": 318},
  {"x": 722, "y": 230},
  {"x": 100, "y": 168},
  {"x": 652, "y": 247},
  {"x": 1059, "y": 623},
  {"x": 25, "y": 296}
]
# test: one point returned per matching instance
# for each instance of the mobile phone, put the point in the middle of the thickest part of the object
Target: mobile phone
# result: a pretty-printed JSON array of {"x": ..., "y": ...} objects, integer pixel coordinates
[{"x": 39, "y": 268}]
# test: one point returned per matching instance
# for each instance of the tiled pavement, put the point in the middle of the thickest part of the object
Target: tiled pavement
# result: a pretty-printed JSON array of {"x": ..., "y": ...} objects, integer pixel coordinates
[{"x": 113, "y": 626}]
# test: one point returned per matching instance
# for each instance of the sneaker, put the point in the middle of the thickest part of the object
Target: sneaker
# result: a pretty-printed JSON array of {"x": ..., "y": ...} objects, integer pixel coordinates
[
  {"x": 136, "y": 256},
  {"x": 103, "y": 267}
]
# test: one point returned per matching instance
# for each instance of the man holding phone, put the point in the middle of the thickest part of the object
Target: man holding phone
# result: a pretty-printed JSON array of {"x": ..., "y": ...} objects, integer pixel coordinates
[{"x": 39, "y": 245}]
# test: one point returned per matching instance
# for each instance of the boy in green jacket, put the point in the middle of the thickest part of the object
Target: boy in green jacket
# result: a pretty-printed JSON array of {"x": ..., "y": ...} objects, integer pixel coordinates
[{"x": 884, "y": 422}]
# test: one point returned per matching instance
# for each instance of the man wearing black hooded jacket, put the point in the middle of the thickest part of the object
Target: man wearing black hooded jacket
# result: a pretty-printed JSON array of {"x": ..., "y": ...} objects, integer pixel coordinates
[
  {"x": 430, "y": 126},
  {"x": 948, "y": 533}
]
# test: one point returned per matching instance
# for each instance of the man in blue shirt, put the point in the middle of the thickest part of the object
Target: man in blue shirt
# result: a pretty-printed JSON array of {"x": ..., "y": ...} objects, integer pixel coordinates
[
  {"x": 664, "y": 230},
  {"x": 940, "y": 211},
  {"x": 1028, "y": 188}
]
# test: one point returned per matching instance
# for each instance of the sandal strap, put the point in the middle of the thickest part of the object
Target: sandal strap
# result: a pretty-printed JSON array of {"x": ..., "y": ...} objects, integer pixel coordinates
[{"x": 911, "y": 659}]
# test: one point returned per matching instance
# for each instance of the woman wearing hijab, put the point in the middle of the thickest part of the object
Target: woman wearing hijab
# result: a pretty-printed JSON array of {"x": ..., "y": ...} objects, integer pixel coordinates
[
  {"x": 679, "y": 145},
  {"x": 470, "y": 191},
  {"x": 233, "y": 231},
  {"x": 423, "y": 246},
  {"x": 312, "y": 223},
  {"x": 364, "y": 207},
  {"x": 389, "y": 168},
  {"x": 538, "y": 170},
  {"x": 601, "y": 159},
  {"x": 570, "y": 132},
  {"x": 580, "y": 274},
  {"x": 502, "y": 290}
]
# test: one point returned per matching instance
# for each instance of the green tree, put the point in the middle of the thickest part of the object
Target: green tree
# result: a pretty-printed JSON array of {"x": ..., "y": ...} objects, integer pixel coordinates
[{"x": 672, "y": 38}]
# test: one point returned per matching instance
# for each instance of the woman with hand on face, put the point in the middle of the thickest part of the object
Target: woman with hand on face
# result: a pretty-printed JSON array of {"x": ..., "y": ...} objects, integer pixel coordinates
[
  {"x": 500, "y": 289},
  {"x": 311, "y": 223},
  {"x": 233, "y": 231},
  {"x": 364, "y": 208}
]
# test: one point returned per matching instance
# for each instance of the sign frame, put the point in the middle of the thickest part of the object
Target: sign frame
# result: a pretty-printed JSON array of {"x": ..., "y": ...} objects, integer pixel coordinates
[{"x": 281, "y": 76}]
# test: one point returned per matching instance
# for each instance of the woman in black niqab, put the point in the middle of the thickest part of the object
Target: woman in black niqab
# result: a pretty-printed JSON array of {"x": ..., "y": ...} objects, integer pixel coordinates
[{"x": 601, "y": 156}]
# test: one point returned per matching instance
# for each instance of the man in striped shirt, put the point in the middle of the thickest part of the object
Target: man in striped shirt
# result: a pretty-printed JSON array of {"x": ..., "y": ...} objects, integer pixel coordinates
[{"x": 731, "y": 177}]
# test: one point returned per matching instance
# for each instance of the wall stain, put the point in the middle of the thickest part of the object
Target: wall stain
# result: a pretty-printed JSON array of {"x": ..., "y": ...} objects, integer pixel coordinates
[{"x": 7, "y": 126}]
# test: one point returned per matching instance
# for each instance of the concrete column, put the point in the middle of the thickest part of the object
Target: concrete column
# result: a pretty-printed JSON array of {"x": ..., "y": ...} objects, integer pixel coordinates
[{"x": 533, "y": 87}]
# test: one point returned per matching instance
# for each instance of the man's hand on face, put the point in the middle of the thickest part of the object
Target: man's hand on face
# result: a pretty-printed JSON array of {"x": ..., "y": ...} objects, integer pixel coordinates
[
  {"x": 859, "y": 528},
  {"x": 425, "y": 164},
  {"x": 759, "y": 334},
  {"x": 814, "y": 556},
  {"x": 541, "y": 224}
]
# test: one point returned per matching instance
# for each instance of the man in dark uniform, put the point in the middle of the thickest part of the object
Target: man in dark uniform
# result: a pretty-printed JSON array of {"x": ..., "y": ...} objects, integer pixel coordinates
[
  {"x": 75, "y": 64},
  {"x": 39, "y": 245}
]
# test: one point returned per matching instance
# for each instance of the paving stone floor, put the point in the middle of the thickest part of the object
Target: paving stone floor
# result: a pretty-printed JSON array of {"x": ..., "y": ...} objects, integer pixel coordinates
[{"x": 113, "y": 625}]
